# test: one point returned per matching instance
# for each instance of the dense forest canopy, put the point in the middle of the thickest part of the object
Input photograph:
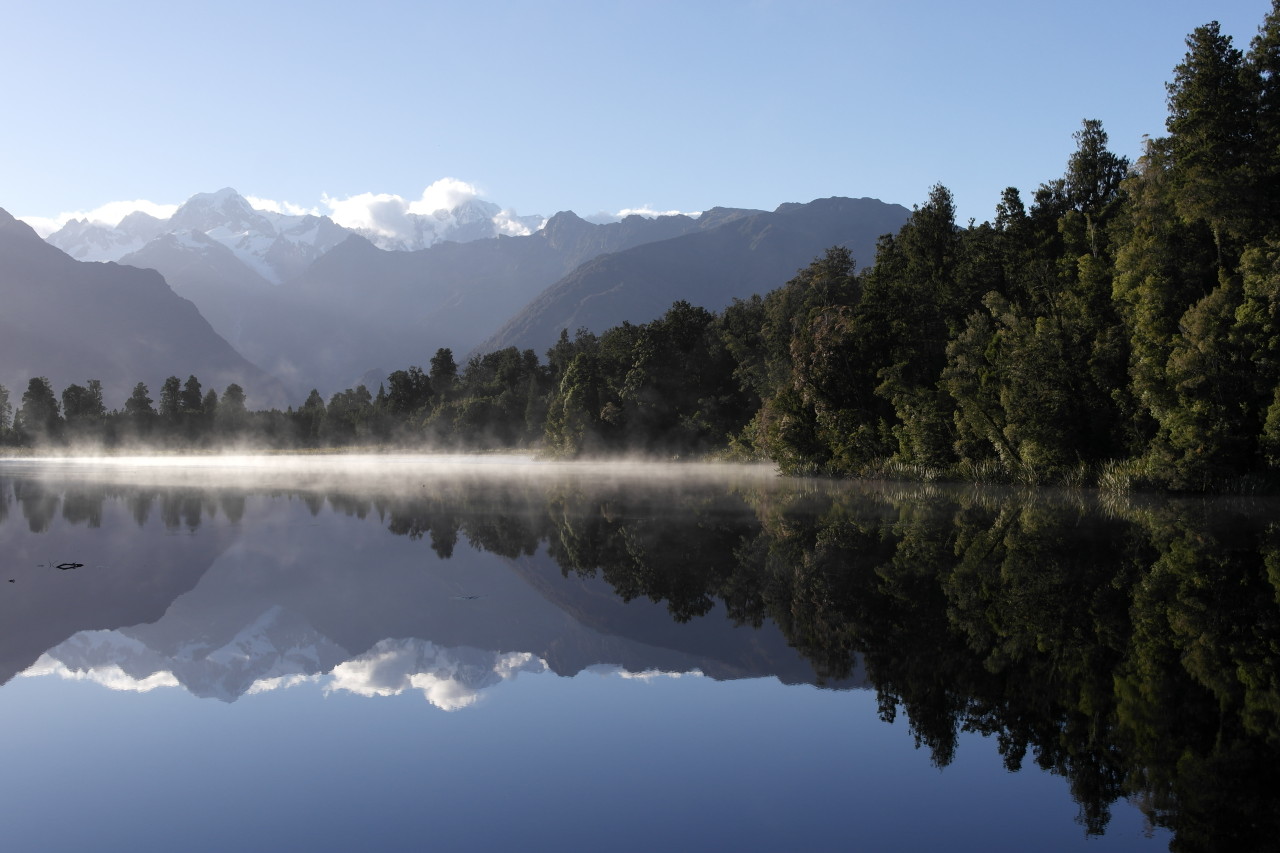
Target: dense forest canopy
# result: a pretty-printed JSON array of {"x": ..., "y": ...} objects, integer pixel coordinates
[{"x": 1120, "y": 326}]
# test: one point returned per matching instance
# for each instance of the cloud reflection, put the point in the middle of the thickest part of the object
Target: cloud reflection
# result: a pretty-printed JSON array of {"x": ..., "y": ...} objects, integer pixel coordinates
[
  {"x": 646, "y": 675},
  {"x": 450, "y": 679}
]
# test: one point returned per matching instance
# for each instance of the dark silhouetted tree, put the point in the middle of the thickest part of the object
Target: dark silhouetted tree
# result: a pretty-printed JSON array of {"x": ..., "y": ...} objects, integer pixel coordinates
[{"x": 39, "y": 419}]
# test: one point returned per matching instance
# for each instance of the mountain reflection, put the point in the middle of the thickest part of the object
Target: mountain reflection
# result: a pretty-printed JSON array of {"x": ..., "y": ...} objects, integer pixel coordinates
[{"x": 1132, "y": 646}]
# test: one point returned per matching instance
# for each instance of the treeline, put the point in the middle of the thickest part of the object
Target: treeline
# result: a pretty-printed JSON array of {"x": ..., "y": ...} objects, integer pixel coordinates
[
  {"x": 185, "y": 415},
  {"x": 1122, "y": 326},
  {"x": 498, "y": 400}
]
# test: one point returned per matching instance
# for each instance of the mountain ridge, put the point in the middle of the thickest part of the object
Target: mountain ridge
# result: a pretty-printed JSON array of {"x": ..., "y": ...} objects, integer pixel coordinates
[{"x": 738, "y": 257}]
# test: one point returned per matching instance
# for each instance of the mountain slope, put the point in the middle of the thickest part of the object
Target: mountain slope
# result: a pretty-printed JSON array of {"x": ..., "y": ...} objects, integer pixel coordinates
[
  {"x": 359, "y": 308},
  {"x": 710, "y": 268},
  {"x": 72, "y": 321}
]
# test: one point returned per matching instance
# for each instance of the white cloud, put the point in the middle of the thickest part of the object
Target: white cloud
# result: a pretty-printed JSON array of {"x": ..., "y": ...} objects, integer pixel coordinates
[
  {"x": 380, "y": 213},
  {"x": 108, "y": 214},
  {"x": 447, "y": 694},
  {"x": 649, "y": 213},
  {"x": 393, "y": 667},
  {"x": 285, "y": 207},
  {"x": 280, "y": 682},
  {"x": 388, "y": 215},
  {"x": 612, "y": 670},
  {"x": 509, "y": 222},
  {"x": 444, "y": 194},
  {"x": 393, "y": 219},
  {"x": 604, "y": 217},
  {"x": 111, "y": 677}
]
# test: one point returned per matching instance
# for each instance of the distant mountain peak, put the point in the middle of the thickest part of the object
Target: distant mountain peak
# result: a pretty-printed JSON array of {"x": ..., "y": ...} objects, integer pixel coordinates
[{"x": 225, "y": 208}]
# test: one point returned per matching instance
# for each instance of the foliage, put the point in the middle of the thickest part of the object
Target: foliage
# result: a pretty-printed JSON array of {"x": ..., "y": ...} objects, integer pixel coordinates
[{"x": 1120, "y": 328}]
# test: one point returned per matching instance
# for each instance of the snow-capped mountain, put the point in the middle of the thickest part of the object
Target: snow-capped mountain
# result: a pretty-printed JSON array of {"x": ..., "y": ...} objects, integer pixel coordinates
[
  {"x": 279, "y": 246},
  {"x": 94, "y": 241},
  {"x": 278, "y": 645},
  {"x": 278, "y": 650},
  {"x": 276, "y": 246}
]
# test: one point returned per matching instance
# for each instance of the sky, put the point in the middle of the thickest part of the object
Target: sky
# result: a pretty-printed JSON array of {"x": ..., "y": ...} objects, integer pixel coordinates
[{"x": 562, "y": 105}]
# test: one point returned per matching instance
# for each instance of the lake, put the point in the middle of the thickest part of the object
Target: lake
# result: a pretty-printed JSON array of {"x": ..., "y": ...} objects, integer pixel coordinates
[{"x": 493, "y": 653}]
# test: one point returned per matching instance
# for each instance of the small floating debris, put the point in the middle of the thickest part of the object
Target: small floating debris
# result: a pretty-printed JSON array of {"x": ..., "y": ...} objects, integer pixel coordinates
[
  {"x": 67, "y": 566},
  {"x": 465, "y": 597}
]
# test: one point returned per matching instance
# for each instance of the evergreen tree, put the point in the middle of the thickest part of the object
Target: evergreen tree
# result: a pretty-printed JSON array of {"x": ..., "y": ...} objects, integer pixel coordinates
[
  {"x": 139, "y": 402},
  {"x": 209, "y": 405},
  {"x": 1211, "y": 132},
  {"x": 915, "y": 296},
  {"x": 171, "y": 399},
  {"x": 678, "y": 392},
  {"x": 1093, "y": 179},
  {"x": 574, "y": 425},
  {"x": 6, "y": 414},
  {"x": 1263, "y": 63},
  {"x": 310, "y": 419},
  {"x": 444, "y": 373},
  {"x": 232, "y": 416},
  {"x": 191, "y": 400},
  {"x": 140, "y": 414},
  {"x": 347, "y": 416},
  {"x": 39, "y": 419},
  {"x": 410, "y": 393},
  {"x": 81, "y": 404}
]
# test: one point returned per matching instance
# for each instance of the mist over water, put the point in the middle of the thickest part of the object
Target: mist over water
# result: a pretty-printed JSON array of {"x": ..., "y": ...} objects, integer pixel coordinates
[{"x": 375, "y": 469}]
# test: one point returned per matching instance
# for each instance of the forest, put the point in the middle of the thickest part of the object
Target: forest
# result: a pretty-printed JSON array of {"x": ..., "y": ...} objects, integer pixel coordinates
[{"x": 1119, "y": 327}]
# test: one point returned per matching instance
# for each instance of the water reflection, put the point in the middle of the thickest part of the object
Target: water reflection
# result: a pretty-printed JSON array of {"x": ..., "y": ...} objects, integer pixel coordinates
[{"x": 1132, "y": 647}]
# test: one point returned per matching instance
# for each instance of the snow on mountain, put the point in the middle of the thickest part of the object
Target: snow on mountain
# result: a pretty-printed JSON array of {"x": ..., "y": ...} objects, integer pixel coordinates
[
  {"x": 278, "y": 246},
  {"x": 277, "y": 650},
  {"x": 276, "y": 647},
  {"x": 94, "y": 241}
]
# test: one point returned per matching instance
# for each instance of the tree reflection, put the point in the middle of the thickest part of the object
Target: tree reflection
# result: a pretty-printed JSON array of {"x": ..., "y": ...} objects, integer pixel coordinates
[
  {"x": 84, "y": 507},
  {"x": 184, "y": 508},
  {"x": 1132, "y": 648},
  {"x": 39, "y": 503}
]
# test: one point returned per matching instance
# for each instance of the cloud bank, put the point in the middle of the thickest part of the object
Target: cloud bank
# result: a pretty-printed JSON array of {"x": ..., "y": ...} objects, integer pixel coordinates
[
  {"x": 108, "y": 214},
  {"x": 387, "y": 218},
  {"x": 450, "y": 679},
  {"x": 604, "y": 217}
]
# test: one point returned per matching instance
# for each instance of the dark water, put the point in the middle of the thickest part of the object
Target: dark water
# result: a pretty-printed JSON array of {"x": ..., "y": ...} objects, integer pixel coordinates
[{"x": 390, "y": 655}]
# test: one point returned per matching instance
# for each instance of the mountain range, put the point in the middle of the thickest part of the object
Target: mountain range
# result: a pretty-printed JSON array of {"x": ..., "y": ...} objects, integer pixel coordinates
[{"x": 308, "y": 303}]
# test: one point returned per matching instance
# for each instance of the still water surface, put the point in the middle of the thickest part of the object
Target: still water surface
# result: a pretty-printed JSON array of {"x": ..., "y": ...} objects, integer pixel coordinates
[{"x": 390, "y": 654}]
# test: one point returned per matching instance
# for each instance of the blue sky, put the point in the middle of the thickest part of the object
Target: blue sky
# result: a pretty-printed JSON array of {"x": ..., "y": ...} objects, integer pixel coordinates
[{"x": 585, "y": 106}]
